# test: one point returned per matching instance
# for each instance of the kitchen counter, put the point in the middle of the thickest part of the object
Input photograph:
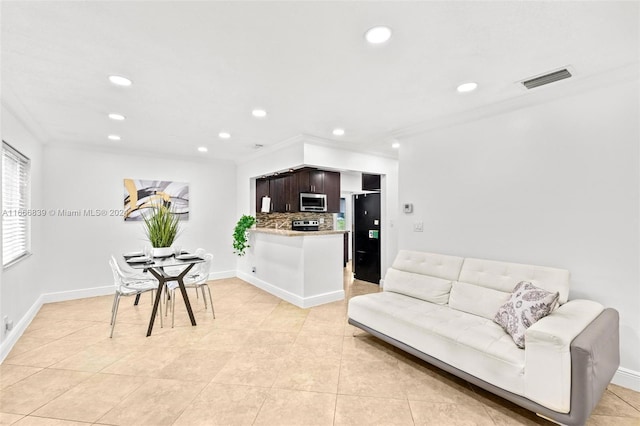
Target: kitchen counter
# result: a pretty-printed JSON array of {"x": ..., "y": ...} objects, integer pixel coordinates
[
  {"x": 290, "y": 233},
  {"x": 304, "y": 268}
]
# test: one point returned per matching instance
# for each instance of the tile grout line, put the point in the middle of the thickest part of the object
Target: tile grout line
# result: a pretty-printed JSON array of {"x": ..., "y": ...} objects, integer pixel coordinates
[
  {"x": 623, "y": 400},
  {"x": 335, "y": 406}
]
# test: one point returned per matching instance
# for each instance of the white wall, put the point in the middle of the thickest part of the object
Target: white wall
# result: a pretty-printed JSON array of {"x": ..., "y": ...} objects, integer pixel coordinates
[
  {"x": 555, "y": 184},
  {"x": 351, "y": 182},
  {"x": 21, "y": 284},
  {"x": 79, "y": 247}
]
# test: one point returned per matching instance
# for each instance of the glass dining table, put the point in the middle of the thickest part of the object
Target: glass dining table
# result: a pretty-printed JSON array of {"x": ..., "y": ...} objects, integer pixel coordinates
[{"x": 156, "y": 267}]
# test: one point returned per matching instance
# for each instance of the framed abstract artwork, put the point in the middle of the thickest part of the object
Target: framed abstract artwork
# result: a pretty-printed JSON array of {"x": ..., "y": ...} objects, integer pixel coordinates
[{"x": 141, "y": 195}]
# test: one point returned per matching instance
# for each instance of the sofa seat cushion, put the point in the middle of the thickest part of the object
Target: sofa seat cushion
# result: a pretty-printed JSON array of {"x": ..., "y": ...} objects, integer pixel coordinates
[{"x": 468, "y": 342}]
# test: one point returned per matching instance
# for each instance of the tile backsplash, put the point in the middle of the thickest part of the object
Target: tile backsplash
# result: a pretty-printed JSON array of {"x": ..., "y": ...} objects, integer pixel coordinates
[{"x": 283, "y": 220}]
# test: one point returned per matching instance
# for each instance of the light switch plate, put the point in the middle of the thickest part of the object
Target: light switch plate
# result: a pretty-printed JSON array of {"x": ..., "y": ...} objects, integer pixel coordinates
[{"x": 418, "y": 226}]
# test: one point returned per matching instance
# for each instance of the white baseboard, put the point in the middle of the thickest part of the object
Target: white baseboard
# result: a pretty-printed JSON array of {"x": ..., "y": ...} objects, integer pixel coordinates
[
  {"x": 18, "y": 329},
  {"x": 321, "y": 299},
  {"x": 83, "y": 293},
  {"x": 276, "y": 291},
  {"x": 627, "y": 378},
  {"x": 220, "y": 275},
  {"x": 61, "y": 296},
  {"x": 301, "y": 302}
]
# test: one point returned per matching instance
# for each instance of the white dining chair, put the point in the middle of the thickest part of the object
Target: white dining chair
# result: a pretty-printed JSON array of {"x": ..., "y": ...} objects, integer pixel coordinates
[
  {"x": 200, "y": 252},
  {"x": 129, "y": 286},
  {"x": 131, "y": 273},
  {"x": 197, "y": 280}
]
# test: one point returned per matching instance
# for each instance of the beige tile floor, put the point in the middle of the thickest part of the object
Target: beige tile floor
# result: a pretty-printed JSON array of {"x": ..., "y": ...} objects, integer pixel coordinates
[{"x": 262, "y": 361}]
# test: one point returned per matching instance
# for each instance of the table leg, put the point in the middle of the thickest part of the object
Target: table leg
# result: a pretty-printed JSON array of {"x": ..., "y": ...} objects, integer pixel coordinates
[
  {"x": 161, "y": 281},
  {"x": 183, "y": 290},
  {"x": 135, "y": 302}
]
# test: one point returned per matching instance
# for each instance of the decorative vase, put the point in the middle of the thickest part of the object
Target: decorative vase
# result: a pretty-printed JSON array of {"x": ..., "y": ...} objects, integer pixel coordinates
[{"x": 162, "y": 251}]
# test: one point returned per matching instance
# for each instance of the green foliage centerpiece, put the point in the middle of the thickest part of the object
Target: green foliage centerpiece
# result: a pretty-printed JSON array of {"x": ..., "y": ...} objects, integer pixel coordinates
[
  {"x": 240, "y": 243},
  {"x": 161, "y": 227}
]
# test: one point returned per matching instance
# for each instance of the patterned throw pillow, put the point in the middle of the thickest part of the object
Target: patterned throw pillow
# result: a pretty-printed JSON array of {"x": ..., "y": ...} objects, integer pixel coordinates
[{"x": 526, "y": 305}]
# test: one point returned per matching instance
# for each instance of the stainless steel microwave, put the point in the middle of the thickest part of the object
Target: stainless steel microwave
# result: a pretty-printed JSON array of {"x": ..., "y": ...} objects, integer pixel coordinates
[{"x": 313, "y": 202}]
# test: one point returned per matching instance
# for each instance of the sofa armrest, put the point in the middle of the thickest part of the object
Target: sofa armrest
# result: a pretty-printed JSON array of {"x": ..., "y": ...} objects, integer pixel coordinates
[{"x": 548, "y": 355}]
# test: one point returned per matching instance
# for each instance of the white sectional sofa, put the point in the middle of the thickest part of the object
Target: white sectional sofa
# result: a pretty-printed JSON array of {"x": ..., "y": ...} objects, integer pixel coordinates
[{"x": 441, "y": 308}]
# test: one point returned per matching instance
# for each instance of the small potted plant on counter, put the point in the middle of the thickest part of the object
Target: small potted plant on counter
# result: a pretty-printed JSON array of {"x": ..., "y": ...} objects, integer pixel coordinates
[
  {"x": 240, "y": 243},
  {"x": 161, "y": 227}
]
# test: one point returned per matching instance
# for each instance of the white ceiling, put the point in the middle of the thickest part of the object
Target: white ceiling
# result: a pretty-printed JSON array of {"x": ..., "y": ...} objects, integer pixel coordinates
[{"x": 200, "y": 67}]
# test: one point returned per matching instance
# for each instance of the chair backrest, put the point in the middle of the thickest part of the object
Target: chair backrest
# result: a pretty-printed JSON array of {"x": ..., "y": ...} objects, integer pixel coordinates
[
  {"x": 206, "y": 266},
  {"x": 117, "y": 274},
  {"x": 203, "y": 269}
]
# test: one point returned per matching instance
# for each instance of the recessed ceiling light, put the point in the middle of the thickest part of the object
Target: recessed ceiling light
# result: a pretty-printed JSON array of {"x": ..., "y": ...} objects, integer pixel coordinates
[
  {"x": 119, "y": 80},
  {"x": 338, "y": 132},
  {"x": 378, "y": 35},
  {"x": 395, "y": 145},
  {"x": 118, "y": 117},
  {"x": 224, "y": 135},
  {"x": 203, "y": 149},
  {"x": 467, "y": 87},
  {"x": 114, "y": 137},
  {"x": 260, "y": 113}
]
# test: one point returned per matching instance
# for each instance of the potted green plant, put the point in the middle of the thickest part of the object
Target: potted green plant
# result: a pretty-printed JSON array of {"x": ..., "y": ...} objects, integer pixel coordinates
[
  {"x": 240, "y": 243},
  {"x": 161, "y": 227}
]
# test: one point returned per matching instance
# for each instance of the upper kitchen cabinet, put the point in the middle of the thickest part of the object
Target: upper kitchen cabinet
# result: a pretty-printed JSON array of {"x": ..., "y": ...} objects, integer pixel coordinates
[
  {"x": 332, "y": 189},
  {"x": 311, "y": 181},
  {"x": 321, "y": 182},
  {"x": 262, "y": 190},
  {"x": 285, "y": 189},
  {"x": 284, "y": 193}
]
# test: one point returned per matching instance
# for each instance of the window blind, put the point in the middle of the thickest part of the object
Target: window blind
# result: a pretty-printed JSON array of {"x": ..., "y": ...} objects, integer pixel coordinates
[{"x": 15, "y": 202}]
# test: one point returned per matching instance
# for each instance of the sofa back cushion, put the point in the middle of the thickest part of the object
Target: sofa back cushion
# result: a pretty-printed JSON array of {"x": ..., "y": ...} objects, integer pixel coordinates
[
  {"x": 432, "y": 264},
  {"x": 490, "y": 283},
  {"x": 426, "y": 276},
  {"x": 477, "y": 300},
  {"x": 425, "y": 287}
]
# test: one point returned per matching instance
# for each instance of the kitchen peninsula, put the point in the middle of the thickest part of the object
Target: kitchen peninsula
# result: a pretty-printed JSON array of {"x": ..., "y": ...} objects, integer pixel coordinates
[{"x": 303, "y": 268}]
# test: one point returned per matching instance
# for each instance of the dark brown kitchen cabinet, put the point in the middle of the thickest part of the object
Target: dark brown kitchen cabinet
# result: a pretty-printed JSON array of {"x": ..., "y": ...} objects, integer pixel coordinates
[
  {"x": 284, "y": 193},
  {"x": 285, "y": 189},
  {"x": 311, "y": 181},
  {"x": 332, "y": 189},
  {"x": 262, "y": 190},
  {"x": 321, "y": 182}
]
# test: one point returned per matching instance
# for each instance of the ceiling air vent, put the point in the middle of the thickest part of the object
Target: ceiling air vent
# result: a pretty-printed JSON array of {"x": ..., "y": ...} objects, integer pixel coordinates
[{"x": 547, "y": 78}]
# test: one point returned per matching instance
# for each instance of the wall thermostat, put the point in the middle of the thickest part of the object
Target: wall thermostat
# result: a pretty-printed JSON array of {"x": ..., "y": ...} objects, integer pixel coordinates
[{"x": 408, "y": 207}]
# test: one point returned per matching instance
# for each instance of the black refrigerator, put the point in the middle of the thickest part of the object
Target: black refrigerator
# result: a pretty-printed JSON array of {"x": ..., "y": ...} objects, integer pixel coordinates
[{"x": 366, "y": 237}]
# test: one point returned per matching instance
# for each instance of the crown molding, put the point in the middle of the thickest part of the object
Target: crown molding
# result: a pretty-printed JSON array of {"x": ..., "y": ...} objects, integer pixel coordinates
[
  {"x": 123, "y": 151},
  {"x": 561, "y": 89}
]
